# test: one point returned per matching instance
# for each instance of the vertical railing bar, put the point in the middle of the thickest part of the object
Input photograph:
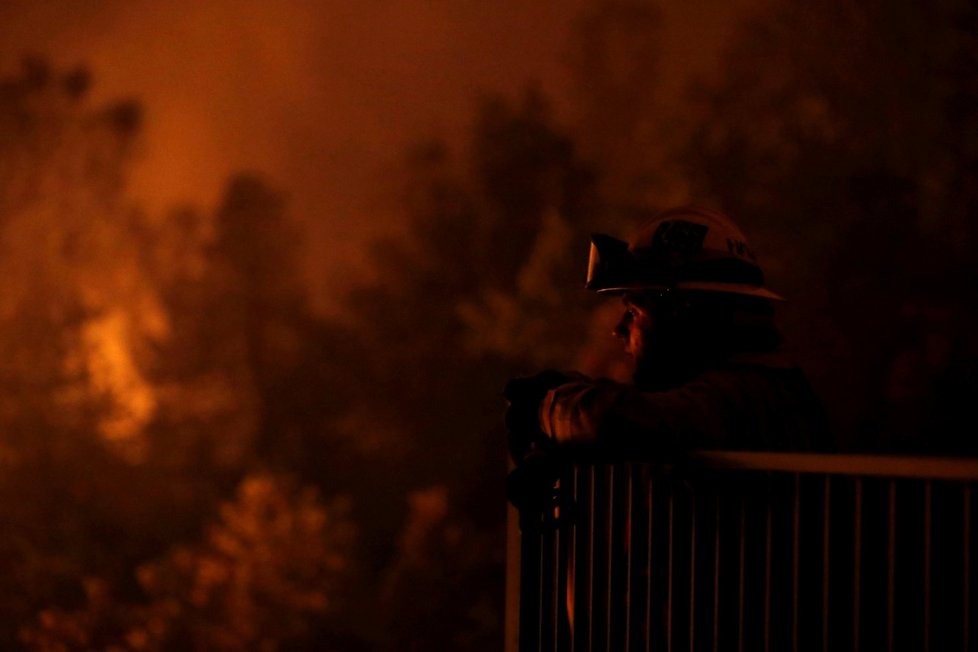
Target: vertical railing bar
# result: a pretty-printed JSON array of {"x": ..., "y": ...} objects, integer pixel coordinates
[
  {"x": 890, "y": 562},
  {"x": 629, "y": 522},
  {"x": 795, "y": 546},
  {"x": 767, "y": 565},
  {"x": 571, "y": 593},
  {"x": 716, "y": 575},
  {"x": 584, "y": 549},
  {"x": 928, "y": 496},
  {"x": 742, "y": 552},
  {"x": 826, "y": 548},
  {"x": 593, "y": 476},
  {"x": 553, "y": 552},
  {"x": 567, "y": 533},
  {"x": 966, "y": 598},
  {"x": 540, "y": 575},
  {"x": 515, "y": 581},
  {"x": 609, "y": 598},
  {"x": 530, "y": 580},
  {"x": 558, "y": 537},
  {"x": 857, "y": 562},
  {"x": 669, "y": 571},
  {"x": 583, "y": 552},
  {"x": 648, "y": 566},
  {"x": 692, "y": 570}
]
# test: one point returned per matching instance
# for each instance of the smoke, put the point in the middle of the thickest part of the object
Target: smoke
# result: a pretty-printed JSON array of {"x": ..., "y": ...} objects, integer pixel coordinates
[{"x": 320, "y": 97}]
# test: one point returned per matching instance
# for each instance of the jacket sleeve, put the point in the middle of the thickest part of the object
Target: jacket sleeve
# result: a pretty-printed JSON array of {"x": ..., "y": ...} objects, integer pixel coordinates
[{"x": 711, "y": 412}]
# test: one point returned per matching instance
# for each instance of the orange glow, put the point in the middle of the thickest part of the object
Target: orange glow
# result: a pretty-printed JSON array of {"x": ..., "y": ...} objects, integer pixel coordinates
[
  {"x": 322, "y": 97},
  {"x": 115, "y": 376}
]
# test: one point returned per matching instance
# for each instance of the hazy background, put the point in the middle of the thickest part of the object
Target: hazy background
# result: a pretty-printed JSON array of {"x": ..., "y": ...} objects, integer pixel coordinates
[
  {"x": 265, "y": 268},
  {"x": 323, "y": 97}
]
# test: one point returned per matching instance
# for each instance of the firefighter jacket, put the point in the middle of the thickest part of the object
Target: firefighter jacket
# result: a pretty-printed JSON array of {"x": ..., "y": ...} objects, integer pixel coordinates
[{"x": 749, "y": 401}]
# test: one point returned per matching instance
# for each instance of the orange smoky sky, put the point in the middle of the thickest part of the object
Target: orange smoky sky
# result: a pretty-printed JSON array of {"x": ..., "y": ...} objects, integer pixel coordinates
[{"x": 322, "y": 97}]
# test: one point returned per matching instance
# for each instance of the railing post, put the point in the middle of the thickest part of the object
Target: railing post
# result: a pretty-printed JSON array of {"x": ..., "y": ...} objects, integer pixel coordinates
[{"x": 511, "y": 635}]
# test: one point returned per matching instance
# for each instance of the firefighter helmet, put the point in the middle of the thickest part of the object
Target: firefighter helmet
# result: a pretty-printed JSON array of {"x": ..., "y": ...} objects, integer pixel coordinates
[{"x": 689, "y": 248}]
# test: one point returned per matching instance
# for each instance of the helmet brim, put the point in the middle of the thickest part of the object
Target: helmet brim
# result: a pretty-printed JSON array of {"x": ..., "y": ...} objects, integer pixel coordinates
[{"x": 697, "y": 286}]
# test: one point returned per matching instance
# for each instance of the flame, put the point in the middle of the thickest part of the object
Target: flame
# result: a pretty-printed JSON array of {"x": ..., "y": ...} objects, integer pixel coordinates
[{"x": 115, "y": 377}]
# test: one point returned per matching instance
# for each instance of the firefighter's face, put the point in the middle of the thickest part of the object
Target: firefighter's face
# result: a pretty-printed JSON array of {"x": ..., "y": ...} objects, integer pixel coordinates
[
  {"x": 651, "y": 330},
  {"x": 635, "y": 328}
]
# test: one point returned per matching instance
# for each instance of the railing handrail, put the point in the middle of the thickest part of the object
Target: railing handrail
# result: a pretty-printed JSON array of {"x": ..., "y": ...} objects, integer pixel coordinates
[{"x": 891, "y": 466}]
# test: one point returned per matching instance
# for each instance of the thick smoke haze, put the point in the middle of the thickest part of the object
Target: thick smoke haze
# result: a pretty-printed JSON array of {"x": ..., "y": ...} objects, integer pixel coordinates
[
  {"x": 195, "y": 456},
  {"x": 323, "y": 98}
]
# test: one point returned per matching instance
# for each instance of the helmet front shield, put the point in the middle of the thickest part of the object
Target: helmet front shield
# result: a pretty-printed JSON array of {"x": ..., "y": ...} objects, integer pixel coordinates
[{"x": 610, "y": 265}]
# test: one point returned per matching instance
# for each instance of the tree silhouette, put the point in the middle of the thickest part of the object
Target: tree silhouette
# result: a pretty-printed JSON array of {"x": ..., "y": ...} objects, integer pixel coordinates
[
  {"x": 495, "y": 237},
  {"x": 261, "y": 578},
  {"x": 838, "y": 158}
]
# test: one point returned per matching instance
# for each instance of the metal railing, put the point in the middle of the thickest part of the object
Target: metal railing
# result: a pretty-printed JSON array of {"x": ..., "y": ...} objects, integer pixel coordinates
[{"x": 747, "y": 551}]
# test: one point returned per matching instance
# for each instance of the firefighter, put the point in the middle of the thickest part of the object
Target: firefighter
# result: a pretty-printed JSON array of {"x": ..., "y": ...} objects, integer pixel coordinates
[{"x": 709, "y": 369}]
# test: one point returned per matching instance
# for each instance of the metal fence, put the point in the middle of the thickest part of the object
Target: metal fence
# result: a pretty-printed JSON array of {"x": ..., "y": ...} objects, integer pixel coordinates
[{"x": 748, "y": 551}]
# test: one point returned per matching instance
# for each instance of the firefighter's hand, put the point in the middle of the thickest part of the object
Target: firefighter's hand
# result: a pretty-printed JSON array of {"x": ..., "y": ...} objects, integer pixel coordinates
[{"x": 522, "y": 416}]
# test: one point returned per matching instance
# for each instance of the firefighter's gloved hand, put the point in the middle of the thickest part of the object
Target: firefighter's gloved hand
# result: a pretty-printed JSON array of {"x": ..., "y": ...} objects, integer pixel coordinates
[{"x": 522, "y": 416}]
